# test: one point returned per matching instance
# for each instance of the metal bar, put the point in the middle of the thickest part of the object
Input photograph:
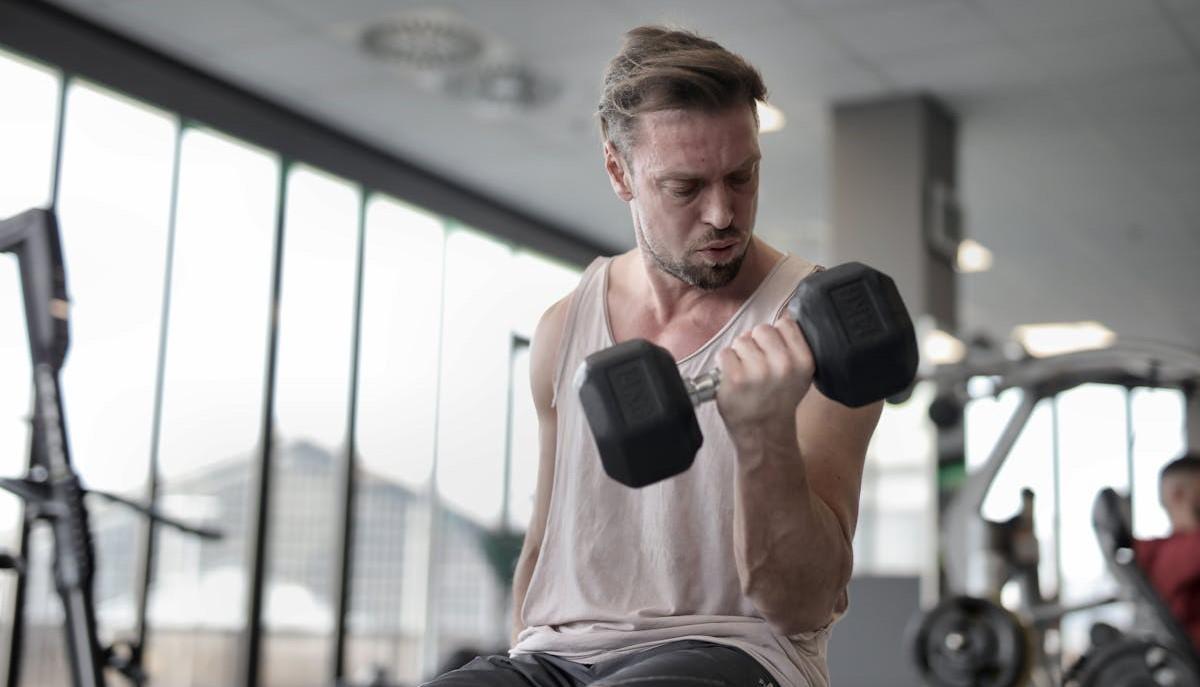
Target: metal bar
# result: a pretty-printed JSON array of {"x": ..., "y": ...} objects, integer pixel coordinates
[
  {"x": 345, "y": 546},
  {"x": 429, "y": 637},
  {"x": 1056, "y": 457},
  {"x": 17, "y": 626},
  {"x": 962, "y": 521},
  {"x": 146, "y": 550},
  {"x": 252, "y": 633},
  {"x": 1129, "y": 439},
  {"x": 513, "y": 346}
]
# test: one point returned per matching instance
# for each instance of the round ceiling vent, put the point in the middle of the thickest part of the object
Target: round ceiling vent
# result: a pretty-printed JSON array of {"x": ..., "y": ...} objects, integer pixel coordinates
[
  {"x": 424, "y": 42},
  {"x": 503, "y": 85}
]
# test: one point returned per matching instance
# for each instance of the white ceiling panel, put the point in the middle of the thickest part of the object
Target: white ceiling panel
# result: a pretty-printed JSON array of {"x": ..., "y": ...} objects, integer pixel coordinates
[
  {"x": 1041, "y": 19},
  {"x": 1104, "y": 54},
  {"x": 962, "y": 71},
  {"x": 901, "y": 29},
  {"x": 200, "y": 27}
]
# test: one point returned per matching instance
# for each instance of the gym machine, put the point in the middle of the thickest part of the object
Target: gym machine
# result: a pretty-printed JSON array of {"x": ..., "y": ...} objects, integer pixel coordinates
[
  {"x": 970, "y": 638},
  {"x": 51, "y": 490}
]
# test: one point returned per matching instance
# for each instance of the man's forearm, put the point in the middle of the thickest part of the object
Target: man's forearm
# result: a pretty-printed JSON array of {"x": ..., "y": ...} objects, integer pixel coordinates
[{"x": 794, "y": 556}]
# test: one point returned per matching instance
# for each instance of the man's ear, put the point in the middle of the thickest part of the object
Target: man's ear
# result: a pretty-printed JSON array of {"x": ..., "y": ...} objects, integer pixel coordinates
[
  {"x": 614, "y": 164},
  {"x": 1171, "y": 494}
]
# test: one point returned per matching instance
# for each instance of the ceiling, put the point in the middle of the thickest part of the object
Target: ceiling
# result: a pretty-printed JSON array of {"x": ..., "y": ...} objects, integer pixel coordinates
[{"x": 1079, "y": 121}]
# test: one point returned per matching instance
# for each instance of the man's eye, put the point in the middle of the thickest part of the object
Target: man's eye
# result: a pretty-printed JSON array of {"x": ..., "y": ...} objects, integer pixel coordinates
[
  {"x": 681, "y": 191},
  {"x": 740, "y": 179}
]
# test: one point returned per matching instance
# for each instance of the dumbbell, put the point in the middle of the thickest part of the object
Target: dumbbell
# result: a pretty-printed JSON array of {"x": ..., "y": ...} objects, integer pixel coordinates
[{"x": 641, "y": 410}]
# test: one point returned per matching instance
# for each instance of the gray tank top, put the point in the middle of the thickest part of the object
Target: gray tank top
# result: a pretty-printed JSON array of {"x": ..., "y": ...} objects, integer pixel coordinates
[{"x": 625, "y": 569}]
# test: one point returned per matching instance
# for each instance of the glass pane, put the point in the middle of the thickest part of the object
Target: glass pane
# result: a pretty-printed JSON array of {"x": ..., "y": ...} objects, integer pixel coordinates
[
  {"x": 1092, "y": 449},
  {"x": 312, "y": 391},
  {"x": 395, "y": 431},
  {"x": 213, "y": 378},
  {"x": 14, "y": 425},
  {"x": 898, "y": 483},
  {"x": 28, "y": 123},
  {"x": 476, "y": 339},
  {"x": 1158, "y": 439},
  {"x": 536, "y": 283},
  {"x": 470, "y": 601},
  {"x": 523, "y": 445},
  {"x": 472, "y": 435},
  {"x": 1030, "y": 465},
  {"x": 114, "y": 200}
]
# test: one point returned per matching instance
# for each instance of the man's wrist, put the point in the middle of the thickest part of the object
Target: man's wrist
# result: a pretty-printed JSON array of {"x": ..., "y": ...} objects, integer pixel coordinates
[{"x": 761, "y": 442}]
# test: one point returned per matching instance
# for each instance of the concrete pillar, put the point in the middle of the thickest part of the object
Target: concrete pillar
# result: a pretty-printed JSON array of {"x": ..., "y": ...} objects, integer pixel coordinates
[
  {"x": 894, "y": 207},
  {"x": 893, "y": 202}
]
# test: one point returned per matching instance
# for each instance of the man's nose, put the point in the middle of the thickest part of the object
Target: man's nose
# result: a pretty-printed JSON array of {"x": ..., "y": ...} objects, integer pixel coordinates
[{"x": 718, "y": 206}]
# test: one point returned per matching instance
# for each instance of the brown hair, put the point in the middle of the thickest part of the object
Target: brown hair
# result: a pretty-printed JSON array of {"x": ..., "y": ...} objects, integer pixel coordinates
[
  {"x": 1189, "y": 463},
  {"x": 665, "y": 69}
]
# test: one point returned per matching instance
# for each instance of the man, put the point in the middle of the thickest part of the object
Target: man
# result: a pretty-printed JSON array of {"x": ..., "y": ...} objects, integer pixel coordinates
[
  {"x": 1173, "y": 564},
  {"x": 731, "y": 573}
]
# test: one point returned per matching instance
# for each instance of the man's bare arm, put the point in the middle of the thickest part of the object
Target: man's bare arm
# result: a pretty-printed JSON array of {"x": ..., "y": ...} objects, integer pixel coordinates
[
  {"x": 800, "y": 461},
  {"x": 543, "y": 356}
]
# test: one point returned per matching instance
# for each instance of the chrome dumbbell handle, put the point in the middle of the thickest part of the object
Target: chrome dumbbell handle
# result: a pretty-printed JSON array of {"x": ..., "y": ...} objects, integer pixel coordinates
[{"x": 703, "y": 387}]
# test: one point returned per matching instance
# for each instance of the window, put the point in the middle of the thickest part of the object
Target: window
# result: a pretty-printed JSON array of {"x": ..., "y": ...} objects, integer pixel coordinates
[
  {"x": 113, "y": 201},
  {"x": 1158, "y": 438},
  {"x": 312, "y": 393},
  {"x": 169, "y": 231},
  {"x": 212, "y": 405},
  {"x": 395, "y": 432},
  {"x": 536, "y": 283},
  {"x": 896, "y": 523},
  {"x": 28, "y": 122},
  {"x": 1073, "y": 446}
]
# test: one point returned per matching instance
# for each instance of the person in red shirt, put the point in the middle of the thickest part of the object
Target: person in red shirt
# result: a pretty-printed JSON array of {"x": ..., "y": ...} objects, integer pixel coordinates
[{"x": 1173, "y": 564}]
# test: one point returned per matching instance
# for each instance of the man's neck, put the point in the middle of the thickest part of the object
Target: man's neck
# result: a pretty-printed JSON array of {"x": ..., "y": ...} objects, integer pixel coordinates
[
  {"x": 645, "y": 302},
  {"x": 668, "y": 297}
]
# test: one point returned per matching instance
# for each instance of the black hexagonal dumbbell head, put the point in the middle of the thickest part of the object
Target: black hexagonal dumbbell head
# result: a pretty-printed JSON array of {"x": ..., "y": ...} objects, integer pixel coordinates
[
  {"x": 862, "y": 338},
  {"x": 639, "y": 411}
]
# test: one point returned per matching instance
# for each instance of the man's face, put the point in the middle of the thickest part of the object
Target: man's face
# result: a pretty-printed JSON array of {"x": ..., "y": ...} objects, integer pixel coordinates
[
  {"x": 691, "y": 179},
  {"x": 1181, "y": 498}
]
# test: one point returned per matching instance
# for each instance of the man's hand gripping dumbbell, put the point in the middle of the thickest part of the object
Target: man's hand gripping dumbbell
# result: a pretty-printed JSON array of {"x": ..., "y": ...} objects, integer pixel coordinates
[{"x": 641, "y": 410}]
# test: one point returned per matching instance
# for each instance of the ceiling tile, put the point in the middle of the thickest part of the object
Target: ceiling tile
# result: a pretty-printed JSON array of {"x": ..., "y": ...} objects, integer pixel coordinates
[
  {"x": 299, "y": 66},
  {"x": 1102, "y": 55},
  {"x": 916, "y": 28},
  {"x": 1024, "y": 19},
  {"x": 961, "y": 71},
  {"x": 201, "y": 27}
]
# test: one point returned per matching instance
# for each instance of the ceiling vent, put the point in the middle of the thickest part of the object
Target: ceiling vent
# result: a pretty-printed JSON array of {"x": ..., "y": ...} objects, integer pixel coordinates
[
  {"x": 502, "y": 86},
  {"x": 424, "y": 42}
]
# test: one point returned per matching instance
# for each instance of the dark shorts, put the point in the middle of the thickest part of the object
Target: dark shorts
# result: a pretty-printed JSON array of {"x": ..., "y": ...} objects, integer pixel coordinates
[{"x": 686, "y": 663}]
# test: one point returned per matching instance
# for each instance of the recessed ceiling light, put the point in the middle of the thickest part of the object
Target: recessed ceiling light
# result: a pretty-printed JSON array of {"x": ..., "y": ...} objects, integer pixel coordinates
[
  {"x": 942, "y": 348},
  {"x": 770, "y": 118},
  {"x": 973, "y": 257},
  {"x": 1057, "y": 338}
]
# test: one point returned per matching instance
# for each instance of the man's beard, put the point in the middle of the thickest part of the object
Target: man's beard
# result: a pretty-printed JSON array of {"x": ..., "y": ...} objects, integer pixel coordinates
[{"x": 702, "y": 276}]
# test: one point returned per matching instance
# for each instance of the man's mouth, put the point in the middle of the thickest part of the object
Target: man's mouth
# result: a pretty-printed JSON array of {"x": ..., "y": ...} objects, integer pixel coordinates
[{"x": 718, "y": 249}]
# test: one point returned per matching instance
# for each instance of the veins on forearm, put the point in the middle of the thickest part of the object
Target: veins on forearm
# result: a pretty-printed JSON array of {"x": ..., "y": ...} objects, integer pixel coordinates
[{"x": 779, "y": 523}]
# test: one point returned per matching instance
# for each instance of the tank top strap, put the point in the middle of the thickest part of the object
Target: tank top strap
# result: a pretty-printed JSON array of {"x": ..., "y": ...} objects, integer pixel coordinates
[
  {"x": 763, "y": 306},
  {"x": 784, "y": 282},
  {"x": 585, "y": 304}
]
